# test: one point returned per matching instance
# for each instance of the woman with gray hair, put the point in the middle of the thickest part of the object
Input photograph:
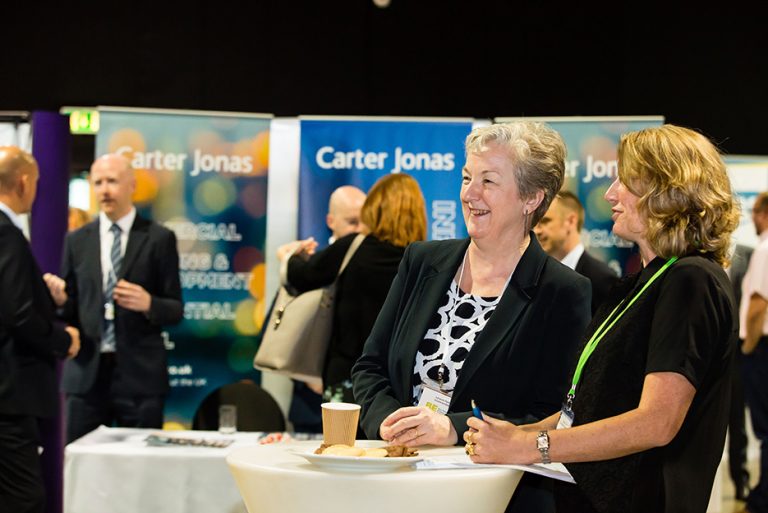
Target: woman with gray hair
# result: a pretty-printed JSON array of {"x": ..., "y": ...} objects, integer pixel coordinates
[{"x": 491, "y": 318}]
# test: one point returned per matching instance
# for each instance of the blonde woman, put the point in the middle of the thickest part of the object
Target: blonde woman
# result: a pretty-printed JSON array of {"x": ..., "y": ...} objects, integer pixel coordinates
[{"x": 644, "y": 421}]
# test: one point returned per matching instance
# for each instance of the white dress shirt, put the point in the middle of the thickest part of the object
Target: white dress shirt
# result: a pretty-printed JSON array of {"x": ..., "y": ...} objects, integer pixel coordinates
[
  {"x": 755, "y": 282},
  {"x": 572, "y": 258},
  {"x": 106, "y": 237},
  {"x": 15, "y": 218}
]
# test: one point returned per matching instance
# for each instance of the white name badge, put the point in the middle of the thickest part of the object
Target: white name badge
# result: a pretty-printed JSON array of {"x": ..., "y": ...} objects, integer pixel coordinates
[
  {"x": 435, "y": 400},
  {"x": 109, "y": 311},
  {"x": 566, "y": 418}
]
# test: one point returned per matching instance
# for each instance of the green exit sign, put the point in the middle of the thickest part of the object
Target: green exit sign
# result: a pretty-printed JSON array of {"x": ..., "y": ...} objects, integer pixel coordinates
[{"x": 82, "y": 121}]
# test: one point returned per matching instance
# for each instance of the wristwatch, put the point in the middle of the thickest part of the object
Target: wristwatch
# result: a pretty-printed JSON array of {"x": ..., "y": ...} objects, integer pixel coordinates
[{"x": 542, "y": 444}]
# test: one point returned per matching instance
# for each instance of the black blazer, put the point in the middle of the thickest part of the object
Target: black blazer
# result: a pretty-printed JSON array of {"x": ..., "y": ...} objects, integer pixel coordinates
[
  {"x": 360, "y": 292},
  {"x": 600, "y": 275},
  {"x": 739, "y": 264},
  {"x": 152, "y": 261},
  {"x": 30, "y": 342},
  {"x": 519, "y": 363}
]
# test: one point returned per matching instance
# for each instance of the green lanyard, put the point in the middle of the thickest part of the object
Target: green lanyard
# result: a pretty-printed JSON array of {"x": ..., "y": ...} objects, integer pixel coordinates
[{"x": 603, "y": 329}]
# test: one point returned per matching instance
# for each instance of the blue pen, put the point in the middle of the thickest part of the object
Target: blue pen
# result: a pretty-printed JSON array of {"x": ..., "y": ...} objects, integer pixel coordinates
[{"x": 475, "y": 410}]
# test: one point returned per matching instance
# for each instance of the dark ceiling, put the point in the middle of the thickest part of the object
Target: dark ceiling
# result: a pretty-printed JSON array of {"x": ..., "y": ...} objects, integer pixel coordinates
[{"x": 702, "y": 67}]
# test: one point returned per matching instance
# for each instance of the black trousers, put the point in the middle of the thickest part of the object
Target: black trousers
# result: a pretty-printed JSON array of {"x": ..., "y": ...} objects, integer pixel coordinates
[
  {"x": 737, "y": 433},
  {"x": 21, "y": 481},
  {"x": 86, "y": 412},
  {"x": 755, "y": 374}
]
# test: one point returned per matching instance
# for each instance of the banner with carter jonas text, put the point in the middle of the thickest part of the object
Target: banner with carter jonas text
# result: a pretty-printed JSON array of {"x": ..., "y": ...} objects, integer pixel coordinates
[
  {"x": 358, "y": 151},
  {"x": 204, "y": 176},
  {"x": 590, "y": 167}
]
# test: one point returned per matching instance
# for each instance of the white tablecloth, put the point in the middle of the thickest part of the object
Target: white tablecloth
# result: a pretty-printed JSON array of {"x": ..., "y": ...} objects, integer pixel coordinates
[
  {"x": 275, "y": 479},
  {"x": 113, "y": 470}
]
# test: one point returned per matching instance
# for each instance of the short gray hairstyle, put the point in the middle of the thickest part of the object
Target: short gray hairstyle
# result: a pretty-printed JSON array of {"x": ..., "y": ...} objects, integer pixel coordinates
[{"x": 537, "y": 153}]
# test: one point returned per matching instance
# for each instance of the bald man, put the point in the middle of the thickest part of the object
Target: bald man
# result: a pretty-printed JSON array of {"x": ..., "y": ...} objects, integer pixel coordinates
[
  {"x": 559, "y": 233},
  {"x": 30, "y": 342},
  {"x": 120, "y": 286},
  {"x": 344, "y": 207},
  {"x": 343, "y": 218}
]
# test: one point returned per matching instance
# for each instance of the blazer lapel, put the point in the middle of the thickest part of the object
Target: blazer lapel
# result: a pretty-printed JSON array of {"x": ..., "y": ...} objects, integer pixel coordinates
[
  {"x": 136, "y": 239},
  {"x": 430, "y": 291},
  {"x": 513, "y": 302},
  {"x": 92, "y": 253}
]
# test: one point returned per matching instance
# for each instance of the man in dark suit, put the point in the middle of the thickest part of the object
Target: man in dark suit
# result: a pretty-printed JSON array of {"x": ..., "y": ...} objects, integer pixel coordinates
[
  {"x": 120, "y": 286},
  {"x": 559, "y": 233},
  {"x": 30, "y": 342}
]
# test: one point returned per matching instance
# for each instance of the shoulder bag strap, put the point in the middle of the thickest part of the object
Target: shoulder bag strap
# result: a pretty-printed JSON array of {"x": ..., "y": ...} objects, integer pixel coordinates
[{"x": 350, "y": 252}]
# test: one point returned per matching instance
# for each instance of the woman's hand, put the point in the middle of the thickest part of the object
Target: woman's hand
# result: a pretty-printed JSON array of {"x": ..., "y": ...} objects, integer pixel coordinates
[
  {"x": 499, "y": 441},
  {"x": 417, "y": 425},
  {"x": 304, "y": 247},
  {"x": 57, "y": 287}
]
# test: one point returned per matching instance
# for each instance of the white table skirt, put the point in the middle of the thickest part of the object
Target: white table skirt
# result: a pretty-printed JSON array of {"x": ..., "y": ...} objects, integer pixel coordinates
[{"x": 113, "y": 469}]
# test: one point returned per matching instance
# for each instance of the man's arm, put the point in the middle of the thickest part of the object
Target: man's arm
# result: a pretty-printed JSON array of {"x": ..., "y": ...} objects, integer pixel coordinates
[
  {"x": 21, "y": 311},
  {"x": 755, "y": 321},
  {"x": 164, "y": 305}
]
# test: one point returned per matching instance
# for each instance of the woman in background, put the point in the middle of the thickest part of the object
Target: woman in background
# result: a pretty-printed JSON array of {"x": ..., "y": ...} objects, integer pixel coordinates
[
  {"x": 77, "y": 218},
  {"x": 393, "y": 216}
]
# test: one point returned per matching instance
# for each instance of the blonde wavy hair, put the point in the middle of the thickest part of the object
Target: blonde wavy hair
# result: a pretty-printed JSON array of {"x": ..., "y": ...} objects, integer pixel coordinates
[
  {"x": 394, "y": 210},
  {"x": 683, "y": 189}
]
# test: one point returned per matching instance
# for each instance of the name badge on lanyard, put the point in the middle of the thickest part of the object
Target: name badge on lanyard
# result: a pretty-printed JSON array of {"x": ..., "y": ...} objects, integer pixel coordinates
[
  {"x": 566, "y": 412},
  {"x": 109, "y": 311},
  {"x": 566, "y": 417},
  {"x": 434, "y": 399}
]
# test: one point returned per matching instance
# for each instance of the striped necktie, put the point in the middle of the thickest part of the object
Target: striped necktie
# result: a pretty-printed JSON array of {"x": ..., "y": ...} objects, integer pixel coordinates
[{"x": 116, "y": 258}]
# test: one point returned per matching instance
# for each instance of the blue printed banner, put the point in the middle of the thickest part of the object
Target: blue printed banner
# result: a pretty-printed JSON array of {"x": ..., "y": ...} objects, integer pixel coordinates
[
  {"x": 591, "y": 167},
  {"x": 336, "y": 152},
  {"x": 204, "y": 176}
]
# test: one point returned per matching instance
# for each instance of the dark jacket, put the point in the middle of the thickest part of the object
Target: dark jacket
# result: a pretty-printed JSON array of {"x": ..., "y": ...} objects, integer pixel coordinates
[
  {"x": 600, "y": 275},
  {"x": 360, "y": 292},
  {"x": 518, "y": 365},
  {"x": 151, "y": 260},
  {"x": 30, "y": 342},
  {"x": 519, "y": 362}
]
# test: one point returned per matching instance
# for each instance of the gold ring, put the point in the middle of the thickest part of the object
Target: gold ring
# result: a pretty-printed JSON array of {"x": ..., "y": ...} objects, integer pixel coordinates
[{"x": 470, "y": 449}]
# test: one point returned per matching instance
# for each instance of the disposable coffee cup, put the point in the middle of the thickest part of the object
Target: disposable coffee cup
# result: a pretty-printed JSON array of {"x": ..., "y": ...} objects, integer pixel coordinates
[
  {"x": 227, "y": 419},
  {"x": 340, "y": 423}
]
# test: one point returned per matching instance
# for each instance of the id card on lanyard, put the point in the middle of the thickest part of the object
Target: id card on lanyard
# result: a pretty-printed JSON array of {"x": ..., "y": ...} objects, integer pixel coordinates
[
  {"x": 434, "y": 399},
  {"x": 566, "y": 412},
  {"x": 432, "y": 394}
]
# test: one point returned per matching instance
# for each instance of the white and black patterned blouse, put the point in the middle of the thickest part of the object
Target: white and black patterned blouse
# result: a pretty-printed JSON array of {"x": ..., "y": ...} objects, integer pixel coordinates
[{"x": 453, "y": 328}]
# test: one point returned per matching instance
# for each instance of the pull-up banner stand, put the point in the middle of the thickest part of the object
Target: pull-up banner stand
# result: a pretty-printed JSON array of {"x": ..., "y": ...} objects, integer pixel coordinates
[
  {"x": 204, "y": 176},
  {"x": 591, "y": 167},
  {"x": 358, "y": 151}
]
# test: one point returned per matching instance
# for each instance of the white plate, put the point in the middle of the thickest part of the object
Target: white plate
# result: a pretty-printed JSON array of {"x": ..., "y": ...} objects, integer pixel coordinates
[{"x": 358, "y": 463}]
